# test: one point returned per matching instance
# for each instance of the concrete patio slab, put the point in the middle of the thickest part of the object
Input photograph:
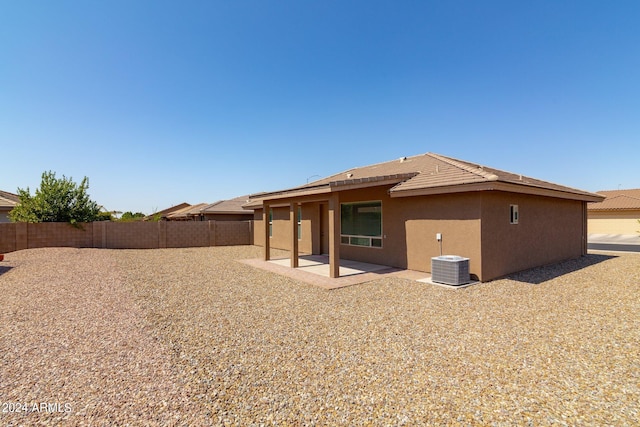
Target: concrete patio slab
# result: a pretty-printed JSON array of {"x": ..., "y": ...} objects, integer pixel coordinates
[
  {"x": 314, "y": 270},
  {"x": 319, "y": 264}
]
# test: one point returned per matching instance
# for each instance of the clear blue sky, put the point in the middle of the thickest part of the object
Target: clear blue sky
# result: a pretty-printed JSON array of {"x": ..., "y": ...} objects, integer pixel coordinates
[{"x": 161, "y": 102}]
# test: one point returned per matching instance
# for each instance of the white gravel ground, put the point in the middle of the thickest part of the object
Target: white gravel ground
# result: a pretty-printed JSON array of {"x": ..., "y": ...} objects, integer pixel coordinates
[{"x": 193, "y": 337}]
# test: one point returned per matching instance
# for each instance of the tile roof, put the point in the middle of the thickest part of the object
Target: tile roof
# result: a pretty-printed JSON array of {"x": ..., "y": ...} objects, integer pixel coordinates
[
  {"x": 8, "y": 200},
  {"x": 432, "y": 173},
  {"x": 175, "y": 208},
  {"x": 186, "y": 211},
  {"x": 231, "y": 206},
  {"x": 617, "y": 200}
]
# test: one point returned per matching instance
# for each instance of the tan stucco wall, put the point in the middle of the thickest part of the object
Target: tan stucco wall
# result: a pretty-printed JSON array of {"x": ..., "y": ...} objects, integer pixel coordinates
[
  {"x": 409, "y": 227},
  {"x": 281, "y": 232},
  {"x": 614, "y": 222},
  {"x": 549, "y": 230},
  {"x": 310, "y": 239},
  {"x": 258, "y": 235},
  {"x": 281, "y": 238},
  {"x": 455, "y": 217}
]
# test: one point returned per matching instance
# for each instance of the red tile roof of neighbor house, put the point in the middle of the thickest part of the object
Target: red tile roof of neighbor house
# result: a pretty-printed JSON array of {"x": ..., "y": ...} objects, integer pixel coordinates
[
  {"x": 430, "y": 174},
  {"x": 617, "y": 200}
]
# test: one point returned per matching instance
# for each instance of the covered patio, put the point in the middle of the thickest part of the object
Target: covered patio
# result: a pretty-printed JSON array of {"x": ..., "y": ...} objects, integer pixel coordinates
[
  {"x": 333, "y": 222},
  {"x": 326, "y": 225}
]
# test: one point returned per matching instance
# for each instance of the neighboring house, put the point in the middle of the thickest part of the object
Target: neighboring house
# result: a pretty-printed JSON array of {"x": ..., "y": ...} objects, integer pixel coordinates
[
  {"x": 227, "y": 210},
  {"x": 7, "y": 202},
  {"x": 163, "y": 213},
  {"x": 222, "y": 210},
  {"x": 189, "y": 213},
  {"x": 617, "y": 214},
  {"x": 389, "y": 213}
]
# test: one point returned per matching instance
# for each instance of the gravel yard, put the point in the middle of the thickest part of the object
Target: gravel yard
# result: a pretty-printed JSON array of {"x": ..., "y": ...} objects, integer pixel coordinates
[{"x": 194, "y": 337}]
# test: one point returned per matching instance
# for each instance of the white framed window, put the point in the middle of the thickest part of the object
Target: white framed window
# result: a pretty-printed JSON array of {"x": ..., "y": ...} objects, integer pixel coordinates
[
  {"x": 513, "y": 214},
  {"x": 361, "y": 224}
]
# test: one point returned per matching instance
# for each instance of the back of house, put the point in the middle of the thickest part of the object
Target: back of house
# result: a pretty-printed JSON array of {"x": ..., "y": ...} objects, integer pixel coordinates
[{"x": 390, "y": 213}]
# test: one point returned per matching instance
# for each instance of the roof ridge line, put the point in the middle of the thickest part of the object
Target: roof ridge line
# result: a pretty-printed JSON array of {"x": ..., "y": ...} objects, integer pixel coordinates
[
  {"x": 210, "y": 205},
  {"x": 475, "y": 170},
  {"x": 623, "y": 195},
  {"x": 618, "y": 191}
]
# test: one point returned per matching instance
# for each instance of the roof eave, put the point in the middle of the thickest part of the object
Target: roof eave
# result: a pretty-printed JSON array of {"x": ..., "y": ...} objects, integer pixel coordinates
[
  {"x": 325, "y": 189},
  {"x": 342, "y": 185},
  {"x": 300, "y": 192},
  {"x": 497, "y": 186}
]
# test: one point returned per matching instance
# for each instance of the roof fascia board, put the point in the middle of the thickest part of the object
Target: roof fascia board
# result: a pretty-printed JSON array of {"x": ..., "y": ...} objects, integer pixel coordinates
[
  {"x": 302, "y": 199},
  {"x": 254, "y": 204},
  {"x": 293, "y": 193},
  {"x": 325, "y": 189},
  {"x": 285, "y": 193},
  {"x": 537, "y": 191},
  {"x": 495, "y": 186},
  {"x": 278, "y": 203},
  {"x": 446, "y": 189}
]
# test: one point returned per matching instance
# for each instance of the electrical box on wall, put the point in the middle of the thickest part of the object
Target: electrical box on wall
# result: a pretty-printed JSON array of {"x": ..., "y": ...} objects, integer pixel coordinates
[{"x": 439, "y": 237}]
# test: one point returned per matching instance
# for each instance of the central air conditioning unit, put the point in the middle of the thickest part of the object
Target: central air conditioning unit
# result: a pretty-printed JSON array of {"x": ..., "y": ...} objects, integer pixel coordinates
[{"x": 450, "y": 270}]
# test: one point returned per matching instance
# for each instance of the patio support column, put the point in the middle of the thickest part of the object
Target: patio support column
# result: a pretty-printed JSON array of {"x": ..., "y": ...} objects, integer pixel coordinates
[
  {"x": 293, "y": 222},
  {"x": 265, "y": 223},
  {"x": 334, "y": 236}
]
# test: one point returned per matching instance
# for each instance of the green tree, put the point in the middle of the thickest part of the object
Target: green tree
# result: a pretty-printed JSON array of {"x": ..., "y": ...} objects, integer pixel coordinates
[
  {"x": 105, "y": 216},
  {"x": 129, "y": 216},
  {"x": 57, "y": 200}
]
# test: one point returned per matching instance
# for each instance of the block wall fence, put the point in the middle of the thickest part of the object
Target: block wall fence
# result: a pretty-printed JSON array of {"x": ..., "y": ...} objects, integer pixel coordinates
[{"x": 125, "y": 235}]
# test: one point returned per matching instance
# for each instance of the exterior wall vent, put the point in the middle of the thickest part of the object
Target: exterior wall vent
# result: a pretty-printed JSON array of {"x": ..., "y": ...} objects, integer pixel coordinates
[{"x": 450, "y": 270}]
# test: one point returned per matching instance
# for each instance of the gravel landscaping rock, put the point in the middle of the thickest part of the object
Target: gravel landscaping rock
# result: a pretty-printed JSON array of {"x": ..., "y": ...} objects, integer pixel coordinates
[
  {"x": 75, "y": 349},
  {"x": 193, "y": 337}
]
